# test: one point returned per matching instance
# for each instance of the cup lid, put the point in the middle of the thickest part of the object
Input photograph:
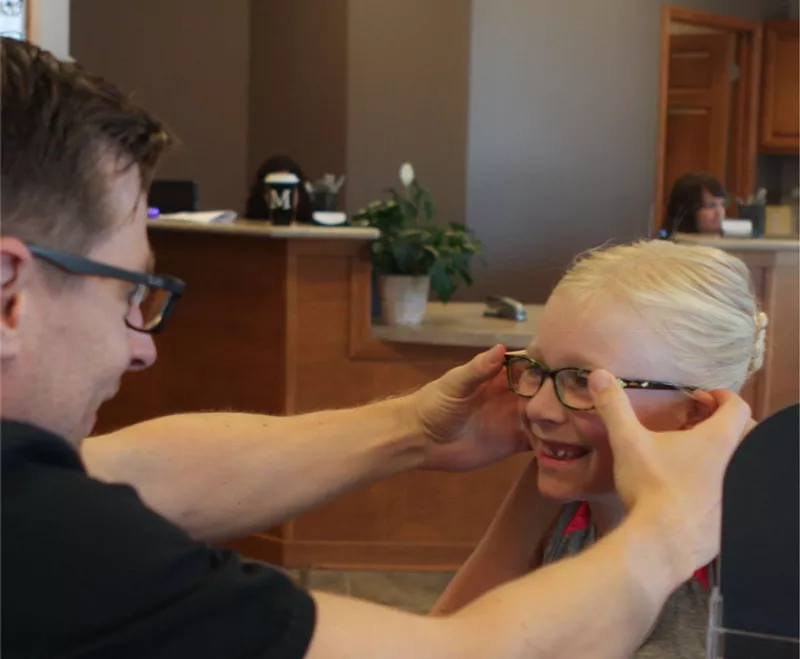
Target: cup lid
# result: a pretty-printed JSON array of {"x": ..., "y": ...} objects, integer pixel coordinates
[{"x": 281, "y": 177}]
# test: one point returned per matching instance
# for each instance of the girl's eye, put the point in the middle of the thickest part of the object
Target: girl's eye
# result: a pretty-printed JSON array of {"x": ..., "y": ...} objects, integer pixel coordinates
[{"x": 582, "y": 379}]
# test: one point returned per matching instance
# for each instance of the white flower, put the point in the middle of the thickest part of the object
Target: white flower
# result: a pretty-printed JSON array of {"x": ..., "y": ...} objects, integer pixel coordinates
[{"x": 406, "y": 174}]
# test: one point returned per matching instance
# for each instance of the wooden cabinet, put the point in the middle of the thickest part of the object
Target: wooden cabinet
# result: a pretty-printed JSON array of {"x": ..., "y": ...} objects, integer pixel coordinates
[{"x": 780, "y": 105}]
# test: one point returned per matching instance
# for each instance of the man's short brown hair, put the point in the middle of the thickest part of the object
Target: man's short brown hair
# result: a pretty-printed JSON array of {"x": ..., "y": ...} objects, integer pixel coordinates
[{"x": 60, "y": 125}]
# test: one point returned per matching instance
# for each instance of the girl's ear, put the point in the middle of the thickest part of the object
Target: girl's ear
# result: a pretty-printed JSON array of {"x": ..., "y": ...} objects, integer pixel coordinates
[{"x": 701, "y": 406}]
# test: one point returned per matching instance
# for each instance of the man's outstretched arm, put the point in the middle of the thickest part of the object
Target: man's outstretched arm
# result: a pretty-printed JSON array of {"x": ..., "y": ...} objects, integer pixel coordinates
[
  {"x": 224, "y": 475},
  {"x": 601, "y": 603}
]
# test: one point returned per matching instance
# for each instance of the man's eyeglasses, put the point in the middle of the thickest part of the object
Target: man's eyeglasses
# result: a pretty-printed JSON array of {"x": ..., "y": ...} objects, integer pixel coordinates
[
  {"x": 150, "y": 303},
  {"x": 526, "y": 377}
]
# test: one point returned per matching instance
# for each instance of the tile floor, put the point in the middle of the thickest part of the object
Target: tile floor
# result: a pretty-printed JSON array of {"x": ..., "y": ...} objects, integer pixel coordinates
[{"x": 411, "y": 591}]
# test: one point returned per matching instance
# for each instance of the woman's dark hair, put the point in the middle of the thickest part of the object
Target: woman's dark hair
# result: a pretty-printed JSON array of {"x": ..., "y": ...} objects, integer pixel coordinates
[
  {"x": 256, "y": 204},
  {"x": 686, "y": 199}
]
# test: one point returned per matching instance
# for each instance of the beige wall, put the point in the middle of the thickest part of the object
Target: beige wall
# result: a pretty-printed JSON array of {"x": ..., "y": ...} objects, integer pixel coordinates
[
  {"x": 49, "y": 23},
  {"x": 188, "y": 63},
  {"x": 563, "y": 130}
]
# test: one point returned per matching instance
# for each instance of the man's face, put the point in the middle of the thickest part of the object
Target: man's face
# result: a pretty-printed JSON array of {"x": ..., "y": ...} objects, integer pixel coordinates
[{"x": 65, "y": 347}]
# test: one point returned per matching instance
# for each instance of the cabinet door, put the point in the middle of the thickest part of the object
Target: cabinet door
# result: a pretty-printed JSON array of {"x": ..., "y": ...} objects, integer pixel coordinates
[
  {"x": 780, "y": 107},
  {"x": 698, "y": 105}
]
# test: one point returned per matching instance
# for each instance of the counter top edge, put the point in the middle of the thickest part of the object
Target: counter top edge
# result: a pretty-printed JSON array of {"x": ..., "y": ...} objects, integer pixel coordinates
[{"x": 259, "y": 229}]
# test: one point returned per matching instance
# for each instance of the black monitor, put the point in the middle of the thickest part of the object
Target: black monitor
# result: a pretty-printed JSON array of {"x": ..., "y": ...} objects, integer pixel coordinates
[
  {"x": 173, "y": 196},
  {"x": 755, "y": 611}
]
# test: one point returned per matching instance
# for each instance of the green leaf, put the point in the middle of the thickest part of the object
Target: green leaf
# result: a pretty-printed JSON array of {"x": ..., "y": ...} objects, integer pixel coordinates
[
  {"x": 411, "y": 244},
  {"x": 433, "y": 252}
]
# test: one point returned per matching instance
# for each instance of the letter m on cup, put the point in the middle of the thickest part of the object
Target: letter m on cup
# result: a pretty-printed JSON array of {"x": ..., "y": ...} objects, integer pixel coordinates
[{"x": 281, "y": 198}]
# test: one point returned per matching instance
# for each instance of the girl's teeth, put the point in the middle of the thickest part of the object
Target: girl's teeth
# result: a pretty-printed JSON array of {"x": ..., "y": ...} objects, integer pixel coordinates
[{"x": 563, "y": 454}]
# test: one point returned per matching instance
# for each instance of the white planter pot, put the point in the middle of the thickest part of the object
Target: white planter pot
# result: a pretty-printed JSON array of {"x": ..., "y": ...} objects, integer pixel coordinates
[{"x": 404, "y": 299}]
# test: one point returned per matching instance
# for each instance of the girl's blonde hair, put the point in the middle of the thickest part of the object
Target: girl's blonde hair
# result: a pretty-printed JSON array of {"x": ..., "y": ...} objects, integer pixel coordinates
[{"x": 700, "y": 298}]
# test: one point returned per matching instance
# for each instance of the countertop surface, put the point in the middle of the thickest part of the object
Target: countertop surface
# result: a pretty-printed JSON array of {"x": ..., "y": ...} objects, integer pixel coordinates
[
  {"x": 267, "y": 230},
  {"x": 463, "y": 324},
  {"x": 740, "y": 244}
]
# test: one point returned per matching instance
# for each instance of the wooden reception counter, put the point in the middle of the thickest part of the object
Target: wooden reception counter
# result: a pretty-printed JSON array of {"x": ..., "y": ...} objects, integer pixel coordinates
[{"x": 278, "y": 321}]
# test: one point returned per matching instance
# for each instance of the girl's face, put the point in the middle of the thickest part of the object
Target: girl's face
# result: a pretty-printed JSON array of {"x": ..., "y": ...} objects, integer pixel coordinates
[
  {"x": 572, "y": 449},
  {"x": 711, "y": 213}
]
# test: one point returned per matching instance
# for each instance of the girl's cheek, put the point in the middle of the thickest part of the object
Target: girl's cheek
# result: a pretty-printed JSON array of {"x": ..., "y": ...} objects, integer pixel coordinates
[{"x": 590, "y": 427}]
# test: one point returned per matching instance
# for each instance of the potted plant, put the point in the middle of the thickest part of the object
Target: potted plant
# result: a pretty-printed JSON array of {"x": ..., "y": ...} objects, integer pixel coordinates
[
  {"x": 413, "y": 254},
  {"x": 324, "y": 192}
]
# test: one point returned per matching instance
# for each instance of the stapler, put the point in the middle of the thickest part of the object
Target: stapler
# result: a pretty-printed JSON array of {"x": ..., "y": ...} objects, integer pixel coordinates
[{"x": 505, "y": 307}]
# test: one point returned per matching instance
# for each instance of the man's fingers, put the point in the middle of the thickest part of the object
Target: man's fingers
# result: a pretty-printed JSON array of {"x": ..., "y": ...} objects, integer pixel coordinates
[
  {"x": 728, "y": 423},
  {"x": 464, "y": 380},
  {"x": 614, "y": 408}
]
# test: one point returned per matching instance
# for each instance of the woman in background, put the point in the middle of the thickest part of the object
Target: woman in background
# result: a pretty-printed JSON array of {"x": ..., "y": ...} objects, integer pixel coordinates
[
  {"x": 696, "y": 205},
  {"x": 672, "y": 321},
  {"x": 256, "y": 208}
]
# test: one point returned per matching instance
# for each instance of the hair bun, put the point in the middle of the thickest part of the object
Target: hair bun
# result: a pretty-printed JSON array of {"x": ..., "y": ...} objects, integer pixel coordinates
[{"x": 759, "y": 343}]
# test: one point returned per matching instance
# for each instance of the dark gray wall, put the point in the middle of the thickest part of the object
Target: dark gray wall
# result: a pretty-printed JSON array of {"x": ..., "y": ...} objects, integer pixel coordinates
[
  {"x": 298, "y": 83},
  {"x": 188, "y": 63},
  {"x": 563, "y": 119},
  {"x": 408, "y": 98}
]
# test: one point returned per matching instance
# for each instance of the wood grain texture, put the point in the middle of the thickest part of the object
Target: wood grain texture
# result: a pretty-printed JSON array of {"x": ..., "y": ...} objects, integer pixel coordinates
[
  {"x": 223, "y": 347},
  {"x": 776, "y": 277},
  {"x": 780, "y": 105},
  {"x": 272, "y": 326},
  {"x": 743, "y": 146},
  {"x": 282, "y": 326}
]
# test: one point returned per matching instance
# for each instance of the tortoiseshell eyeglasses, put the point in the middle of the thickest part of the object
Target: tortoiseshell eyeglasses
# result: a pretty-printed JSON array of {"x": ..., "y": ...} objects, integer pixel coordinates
[{"x": 526, "y": 377}]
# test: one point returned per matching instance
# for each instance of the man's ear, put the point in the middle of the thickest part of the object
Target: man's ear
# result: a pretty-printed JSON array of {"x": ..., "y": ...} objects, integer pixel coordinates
[
  {"x": 16, "y": 265},
  {"x": 700, "y": 406}
]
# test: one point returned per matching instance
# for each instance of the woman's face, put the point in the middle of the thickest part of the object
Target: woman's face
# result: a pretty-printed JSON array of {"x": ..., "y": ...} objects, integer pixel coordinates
[
  {"x": 711, "y": 213},
  {"x": 598, "y": 335}
]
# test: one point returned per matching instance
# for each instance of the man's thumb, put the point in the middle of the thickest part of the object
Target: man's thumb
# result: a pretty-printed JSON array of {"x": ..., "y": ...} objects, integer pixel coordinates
[
  {"x": 464, "y": 380},
  {"x": 613, "y": 407}
]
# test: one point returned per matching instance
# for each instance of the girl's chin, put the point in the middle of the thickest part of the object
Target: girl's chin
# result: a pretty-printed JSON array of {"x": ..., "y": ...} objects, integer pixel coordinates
[
  {"x": 563, "y": 489},
  {"x": 560, "y": 490}
]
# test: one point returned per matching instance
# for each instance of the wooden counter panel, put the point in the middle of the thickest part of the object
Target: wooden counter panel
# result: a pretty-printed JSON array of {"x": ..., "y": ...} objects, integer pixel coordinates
[
  {"x": 776, "y": 279},
  {"x": 415, "y": 508},
  {"x": 267, "y": 326},
  {"x": 397, "y": 517},
  {"x": 212, "y": 354},
  {"x": 283, "y": 326},
  {"x": 782, "y": 359}
]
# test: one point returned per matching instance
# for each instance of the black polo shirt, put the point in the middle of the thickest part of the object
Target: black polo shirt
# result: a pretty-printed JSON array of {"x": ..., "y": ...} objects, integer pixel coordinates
[{"x": 89, "y": 571}]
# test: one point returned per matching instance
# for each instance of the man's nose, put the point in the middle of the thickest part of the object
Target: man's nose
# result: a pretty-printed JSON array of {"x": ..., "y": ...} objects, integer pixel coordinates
[{"x": 143, "y": 351}]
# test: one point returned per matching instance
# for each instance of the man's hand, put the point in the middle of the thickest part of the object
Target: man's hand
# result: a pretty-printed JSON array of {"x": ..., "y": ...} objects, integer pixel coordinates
[
  {"x": 678, "y": 475},
  {"x": 469, "y": 416}
]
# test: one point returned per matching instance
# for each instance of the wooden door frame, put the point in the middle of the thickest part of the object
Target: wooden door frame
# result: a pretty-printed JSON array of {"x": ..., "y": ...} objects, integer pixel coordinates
[
  {"x": 31, "y": 9},
  {"x": 745, "y": 98}
]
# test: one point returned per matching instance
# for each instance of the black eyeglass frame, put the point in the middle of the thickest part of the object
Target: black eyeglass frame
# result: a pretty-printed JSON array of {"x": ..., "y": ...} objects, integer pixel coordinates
[
  {"x": 80, "y": 265},
  {"x": 625, "y": 383}
]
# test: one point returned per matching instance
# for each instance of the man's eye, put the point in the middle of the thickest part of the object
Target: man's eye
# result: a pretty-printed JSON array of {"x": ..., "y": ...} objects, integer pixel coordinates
[{"x": 136, "y": 294}]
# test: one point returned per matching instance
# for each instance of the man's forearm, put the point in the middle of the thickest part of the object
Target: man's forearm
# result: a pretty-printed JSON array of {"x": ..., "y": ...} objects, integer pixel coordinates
[
  {"x": 224, "y": 475},
  {"x": 600, "y": 604}
]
